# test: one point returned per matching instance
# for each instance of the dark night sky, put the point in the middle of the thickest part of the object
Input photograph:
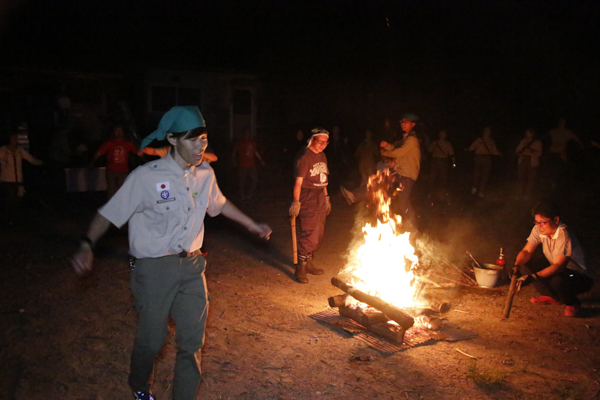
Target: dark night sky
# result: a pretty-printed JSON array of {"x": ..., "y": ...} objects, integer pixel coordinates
[{"x": 488, "y": 61}]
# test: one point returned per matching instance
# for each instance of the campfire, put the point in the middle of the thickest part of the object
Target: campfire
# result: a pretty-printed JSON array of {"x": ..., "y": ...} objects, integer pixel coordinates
[{"x": 382, "y": 279}]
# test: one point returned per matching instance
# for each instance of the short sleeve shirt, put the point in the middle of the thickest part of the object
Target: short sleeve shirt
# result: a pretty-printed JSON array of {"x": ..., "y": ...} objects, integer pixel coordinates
[
  {"x": 562, "y": 243},
  {"x": 117, "y": 154},
  {"x": 165, "y": 207},
  {"x": 441, "y": 149},
  {"x": 313, "y": 168}
]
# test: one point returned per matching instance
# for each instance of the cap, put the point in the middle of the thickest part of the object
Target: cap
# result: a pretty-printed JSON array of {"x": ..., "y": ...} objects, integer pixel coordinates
[
  {"x": 410, "y": 117},
  {"x": 177, "y": 119}
]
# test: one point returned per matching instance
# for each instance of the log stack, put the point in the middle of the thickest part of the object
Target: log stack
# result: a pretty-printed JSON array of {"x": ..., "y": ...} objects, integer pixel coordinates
[{"x": 378, "y": 316}]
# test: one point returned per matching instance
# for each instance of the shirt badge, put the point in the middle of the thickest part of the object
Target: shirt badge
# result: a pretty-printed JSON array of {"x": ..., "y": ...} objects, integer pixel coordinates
[{"x": 163, "y": 186}]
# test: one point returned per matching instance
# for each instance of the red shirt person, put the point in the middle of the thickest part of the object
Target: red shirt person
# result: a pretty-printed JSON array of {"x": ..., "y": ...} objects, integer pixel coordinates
[
  {"x": 245, "y": 153},
  {"x": 117, "y": 150}
]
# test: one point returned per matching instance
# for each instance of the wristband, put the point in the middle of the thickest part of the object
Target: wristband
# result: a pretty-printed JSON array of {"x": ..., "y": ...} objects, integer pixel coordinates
[{"x": 86, "y": 239}]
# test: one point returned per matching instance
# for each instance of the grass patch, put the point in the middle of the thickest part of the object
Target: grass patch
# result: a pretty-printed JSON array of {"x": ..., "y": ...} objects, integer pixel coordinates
[
  {"x": 485, "y": 377},
  {"x": 569, "y": 392}
]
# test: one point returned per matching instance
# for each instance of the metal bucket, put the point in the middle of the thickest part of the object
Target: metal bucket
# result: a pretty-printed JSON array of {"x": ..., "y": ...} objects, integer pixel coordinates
[{"x": 488, "y": 276}]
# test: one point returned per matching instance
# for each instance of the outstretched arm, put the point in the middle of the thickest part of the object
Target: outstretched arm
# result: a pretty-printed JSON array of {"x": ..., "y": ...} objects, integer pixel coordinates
[
  {"x": 232, "y": 212},
  {"x": 83, "y": 259},
  {"x": 525, "y": 255}
]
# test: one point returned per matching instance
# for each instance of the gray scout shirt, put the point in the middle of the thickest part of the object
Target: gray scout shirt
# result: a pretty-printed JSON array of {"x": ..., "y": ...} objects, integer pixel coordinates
[
  {"x": 165, "y": 207},
  {"x": 565, "y": 243}
]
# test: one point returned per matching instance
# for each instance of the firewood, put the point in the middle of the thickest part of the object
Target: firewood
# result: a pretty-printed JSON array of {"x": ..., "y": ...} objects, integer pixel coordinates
[
  {"x": 337, "y": 301},
  {"x": 363, "y": 317},
  {"x": 392, "y": 312}
]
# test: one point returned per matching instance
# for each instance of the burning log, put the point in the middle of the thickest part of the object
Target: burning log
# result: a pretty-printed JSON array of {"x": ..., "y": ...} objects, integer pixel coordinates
[
  {"x": 431, "y": 307},
  {"x": 337, "y": 301},
  {"x": 389, "y": 331},
  {"x": 363, "y": 317},
  {"x": 392, "y": 312}
]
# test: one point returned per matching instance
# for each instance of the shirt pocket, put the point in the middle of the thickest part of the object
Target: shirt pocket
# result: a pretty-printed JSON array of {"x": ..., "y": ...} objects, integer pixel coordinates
[
  {"x": 166, "y": 216},
  {"x": 167, "y": 207}
]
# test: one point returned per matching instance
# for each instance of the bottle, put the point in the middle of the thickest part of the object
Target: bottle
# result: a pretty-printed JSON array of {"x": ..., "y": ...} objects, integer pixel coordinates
[{"x": 500, "y": 261}]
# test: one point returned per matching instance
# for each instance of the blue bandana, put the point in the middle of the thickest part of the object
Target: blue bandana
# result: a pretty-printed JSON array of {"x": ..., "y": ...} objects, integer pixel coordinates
[{"x": 177, "y": 119}]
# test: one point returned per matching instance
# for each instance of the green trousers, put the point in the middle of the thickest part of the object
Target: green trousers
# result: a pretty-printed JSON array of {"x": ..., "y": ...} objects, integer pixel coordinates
[{"x": 169, "y": 286}]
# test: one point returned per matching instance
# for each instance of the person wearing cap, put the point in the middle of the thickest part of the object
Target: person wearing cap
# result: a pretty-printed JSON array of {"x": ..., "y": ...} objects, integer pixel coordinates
[
  {"x": 567, "y": 270},
  {"x": 311, "y": 201},
  {"x": 407, "y": 162},
  {"x": 165, "y": 202}
]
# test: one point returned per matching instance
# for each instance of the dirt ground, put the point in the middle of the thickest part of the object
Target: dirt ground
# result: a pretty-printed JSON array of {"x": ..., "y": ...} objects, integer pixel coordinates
[{"x": 65, "y": 337}]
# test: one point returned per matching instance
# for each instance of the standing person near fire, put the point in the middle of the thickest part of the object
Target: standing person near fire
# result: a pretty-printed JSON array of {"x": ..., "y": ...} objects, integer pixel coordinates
[
  {"x": 570, "y": 271},
  {"x": 117, "y": 150},
  {"x": 311, "y": 201},
  {"x": 529, "y": 151},
  {"x": 484, "y": 148},
  {"x": 245, "y": 153},
  {"x": 442, "y": 157},
  {"x": 407, "y": 163},
  {"x": 165, "y": 202}
]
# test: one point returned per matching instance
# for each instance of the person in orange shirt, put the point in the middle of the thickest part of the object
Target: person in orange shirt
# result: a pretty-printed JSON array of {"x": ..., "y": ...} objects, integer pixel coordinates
[{"x": 117, "y": 150}]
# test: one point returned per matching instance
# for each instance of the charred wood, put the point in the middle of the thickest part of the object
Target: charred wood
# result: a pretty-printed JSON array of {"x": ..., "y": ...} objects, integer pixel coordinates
[
  {"x": 337, "y": 301},
  {"x": 363, "y": 317},
  {"x": 392, "y": 312}
]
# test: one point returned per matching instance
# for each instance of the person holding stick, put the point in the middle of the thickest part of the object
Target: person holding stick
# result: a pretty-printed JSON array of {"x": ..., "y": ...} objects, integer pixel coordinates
[
  {"x": 311, "y": 201},
  {"x": 570, "y": 271},
  {"x": 165, "y": 202}
]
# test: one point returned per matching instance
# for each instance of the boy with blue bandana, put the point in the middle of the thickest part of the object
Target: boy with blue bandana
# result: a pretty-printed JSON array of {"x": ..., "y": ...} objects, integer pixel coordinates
[{"x": 165, "y": 202}]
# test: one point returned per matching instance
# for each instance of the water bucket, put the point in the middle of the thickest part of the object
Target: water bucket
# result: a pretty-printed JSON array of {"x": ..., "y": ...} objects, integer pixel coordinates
[{"x": 488, "y": 276}]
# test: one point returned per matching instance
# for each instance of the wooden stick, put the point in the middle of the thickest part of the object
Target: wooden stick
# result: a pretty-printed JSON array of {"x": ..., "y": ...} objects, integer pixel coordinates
[
  {"x": 451, "y": 280},
  {"x": 466, "y": 354},
  {"x": 448, "y": 263},
  {"x": 427, "y": 280},
  {"x": 511, "y": 292},
  {"x": 294, "y": 242}
]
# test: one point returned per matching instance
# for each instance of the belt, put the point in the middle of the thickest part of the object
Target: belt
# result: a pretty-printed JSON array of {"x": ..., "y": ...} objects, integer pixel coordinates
[{"x": 185, "y": 254}]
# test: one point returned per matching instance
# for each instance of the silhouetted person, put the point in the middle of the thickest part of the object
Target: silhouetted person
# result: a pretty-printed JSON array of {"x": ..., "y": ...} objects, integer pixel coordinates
[
  {"x": 11, "y": 175},
  {"x": 529, "y": 151},
  {"x": 442, "y": 158},
  {"x": 484, "y": 148},
  {"x": 245, "y": 154}
]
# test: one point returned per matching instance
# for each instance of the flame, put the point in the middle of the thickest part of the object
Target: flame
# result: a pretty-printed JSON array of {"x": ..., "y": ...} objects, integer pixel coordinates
[{"x": 383, "y": 264}]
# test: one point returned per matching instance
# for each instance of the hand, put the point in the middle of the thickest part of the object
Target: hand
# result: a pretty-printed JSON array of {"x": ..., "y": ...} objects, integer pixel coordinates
[
  {"x": 262, "y": 230},
  {"x": 82, "y": 260},
  {"x": 327, "y": 204},
  {"x": 526, "y": 277},
  {"x": 295, "y": 209}
]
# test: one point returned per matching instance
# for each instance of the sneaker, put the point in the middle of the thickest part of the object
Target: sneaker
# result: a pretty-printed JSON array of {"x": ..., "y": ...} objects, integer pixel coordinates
[
  {"x": 348, "y": 195},
  {"x": 572, "y": 311},
  {"x": 143, "y": 396},
  {"x": 545, "y": 300}
]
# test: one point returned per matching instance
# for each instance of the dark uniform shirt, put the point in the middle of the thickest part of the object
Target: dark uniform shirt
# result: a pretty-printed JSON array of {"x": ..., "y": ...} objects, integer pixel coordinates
[{"x": 313, "y": 168}]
